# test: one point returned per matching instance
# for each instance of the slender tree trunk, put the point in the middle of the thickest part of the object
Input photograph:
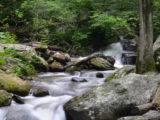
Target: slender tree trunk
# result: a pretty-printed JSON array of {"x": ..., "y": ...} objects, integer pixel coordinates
[{"x": 145, "y": 61}]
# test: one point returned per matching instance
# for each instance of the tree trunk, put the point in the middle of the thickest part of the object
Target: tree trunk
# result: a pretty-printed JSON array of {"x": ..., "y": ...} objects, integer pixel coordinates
[{"x": 145, "y": 61}]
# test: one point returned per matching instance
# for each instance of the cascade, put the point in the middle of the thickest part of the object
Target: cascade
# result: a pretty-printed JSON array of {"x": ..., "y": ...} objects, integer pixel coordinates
[{"x": 61, "y": 90}]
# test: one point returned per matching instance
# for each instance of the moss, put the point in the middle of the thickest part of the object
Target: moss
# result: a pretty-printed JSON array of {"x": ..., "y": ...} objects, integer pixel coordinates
[
  {"x": 72, "y": 69},
  {"x": 150, "y": 64},
  {"x": 5, "y": 98},
  {"x": 158, "y": 105},
  {"x": 95, "y": 62},
  {"x": 14, "y": 84},
  {"x": 112, "y": 76},
  {"x": 121, "y": 73},
  {"x": 146, "y": 66}
]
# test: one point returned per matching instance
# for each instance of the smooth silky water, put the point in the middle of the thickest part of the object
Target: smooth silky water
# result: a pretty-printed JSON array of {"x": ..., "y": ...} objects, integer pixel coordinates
[{"x": 61, "y": 89}]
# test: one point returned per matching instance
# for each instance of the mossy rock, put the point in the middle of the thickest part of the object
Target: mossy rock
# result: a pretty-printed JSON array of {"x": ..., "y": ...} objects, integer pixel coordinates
[
  {"x": 121, "y": 73},
  {"x": 5, "y": 98},
  {"x": 101, "y": 64},
  {"x": 14, "y": 84},
  {"x": 72, "y": 69},
  {"x": 56, "y": 67}
]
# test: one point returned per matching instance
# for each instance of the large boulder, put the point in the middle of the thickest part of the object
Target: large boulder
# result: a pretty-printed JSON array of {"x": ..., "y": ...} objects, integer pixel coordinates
[
  {"x": 14, "y": 84},
  {"x": 5, "y": 98},
  {"x": 113, "y": 99},
  {"x": 95, "y": 62},
  {"x": 156, "y": 49},
  {"x": 156, "y": 45},
  {"x": 100, "y": 63}
]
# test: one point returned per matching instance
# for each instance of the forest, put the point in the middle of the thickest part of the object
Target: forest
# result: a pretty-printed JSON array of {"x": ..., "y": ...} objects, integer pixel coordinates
[
  {"x": 83, "y": 26},
  {"x": 79, "y": 59}
]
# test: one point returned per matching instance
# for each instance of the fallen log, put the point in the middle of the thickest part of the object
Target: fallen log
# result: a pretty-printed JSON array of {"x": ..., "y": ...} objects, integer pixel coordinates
[{"x": 109, "y": 58}]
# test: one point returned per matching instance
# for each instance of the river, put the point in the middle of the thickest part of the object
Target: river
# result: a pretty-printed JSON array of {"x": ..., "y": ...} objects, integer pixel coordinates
[{"x": 61, "y": 89}]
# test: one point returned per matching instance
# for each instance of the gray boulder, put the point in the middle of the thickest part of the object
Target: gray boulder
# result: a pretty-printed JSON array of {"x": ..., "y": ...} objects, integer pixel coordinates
[
  {"x": 156, "y": 45},
  {"x": 113, "y": 99},
  {"x": 156, "y": 48}
]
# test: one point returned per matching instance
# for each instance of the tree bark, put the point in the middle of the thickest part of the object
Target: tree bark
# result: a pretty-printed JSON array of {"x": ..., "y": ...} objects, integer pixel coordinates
[{"x": 145, "y": 60}]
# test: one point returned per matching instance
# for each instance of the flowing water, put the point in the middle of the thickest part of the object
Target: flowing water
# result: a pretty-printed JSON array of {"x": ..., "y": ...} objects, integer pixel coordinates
[{"x": 61, "y": 89}]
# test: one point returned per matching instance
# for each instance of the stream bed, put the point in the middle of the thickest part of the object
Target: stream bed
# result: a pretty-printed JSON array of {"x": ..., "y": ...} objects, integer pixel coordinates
[{"x": 61, "y": 89}]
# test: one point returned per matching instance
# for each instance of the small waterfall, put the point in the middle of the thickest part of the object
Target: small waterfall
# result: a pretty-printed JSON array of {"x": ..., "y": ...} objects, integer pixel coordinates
[{"x": 115, "y": 50}]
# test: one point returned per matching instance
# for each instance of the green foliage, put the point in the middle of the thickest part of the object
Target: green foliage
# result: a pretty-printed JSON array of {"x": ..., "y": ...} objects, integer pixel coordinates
[
  {"x": 77, "y": 25},
  {"x": 111, "y": 26},
  {"x": 24, "y": 62},
  {"x": 7, "y": 38}
]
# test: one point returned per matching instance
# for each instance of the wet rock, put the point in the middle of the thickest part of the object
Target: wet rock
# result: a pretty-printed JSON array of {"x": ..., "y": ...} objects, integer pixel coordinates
[
  {"x": 99, "y": 75},
  {"x": 128, "y": 44},
  {"x": 62, "y": 57},
  {"x": 78, "y": 79},
  {"x": 14, "y": 84},
  {"x": 18, "y": 99},
  {"x": 56, "y": 67},
  {"x": 40, "y": 92},
  {"x": 129, "y": 58},
  {"x": 152, "y": 115},
  {"x": 118, "y": 97},
  {"x": 5, "y": 98}
]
